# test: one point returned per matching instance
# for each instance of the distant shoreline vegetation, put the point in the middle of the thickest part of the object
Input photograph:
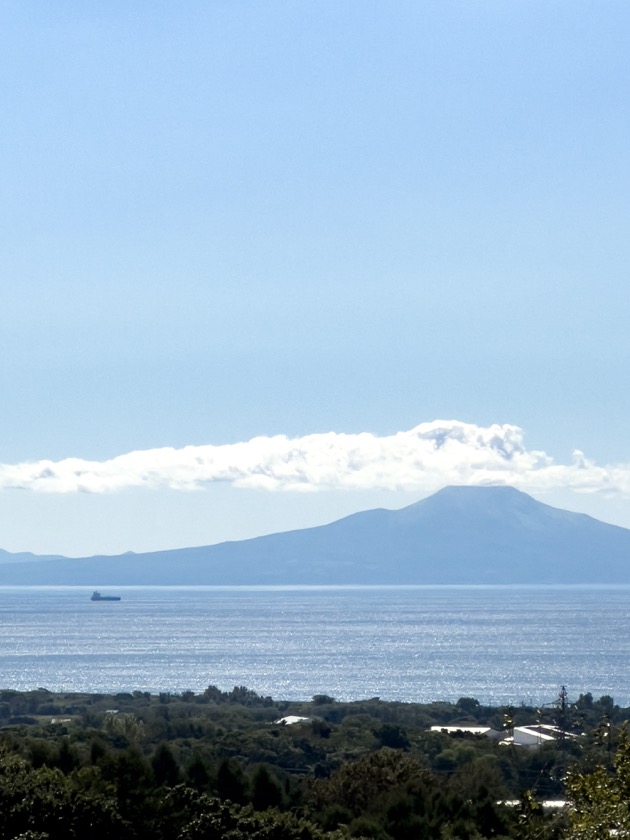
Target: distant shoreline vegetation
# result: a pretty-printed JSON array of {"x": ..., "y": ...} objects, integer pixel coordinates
[{"x": 37, "y": 705}]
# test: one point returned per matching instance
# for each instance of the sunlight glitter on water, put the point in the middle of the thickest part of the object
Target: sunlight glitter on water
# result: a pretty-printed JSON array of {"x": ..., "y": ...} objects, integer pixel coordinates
[{"x": 499, "y": 644}]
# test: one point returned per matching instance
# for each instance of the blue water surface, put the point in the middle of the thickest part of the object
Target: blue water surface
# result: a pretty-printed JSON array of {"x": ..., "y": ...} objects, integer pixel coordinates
[{"x": 498, "y": 644}]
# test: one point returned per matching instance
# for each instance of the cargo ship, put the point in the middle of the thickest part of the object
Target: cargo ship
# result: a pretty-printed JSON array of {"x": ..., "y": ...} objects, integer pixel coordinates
[{"x": 96, "y": 596}]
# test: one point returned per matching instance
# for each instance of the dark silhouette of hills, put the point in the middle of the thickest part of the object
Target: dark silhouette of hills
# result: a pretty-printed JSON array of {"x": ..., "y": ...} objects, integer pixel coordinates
[{"x": 460, "y": 535}]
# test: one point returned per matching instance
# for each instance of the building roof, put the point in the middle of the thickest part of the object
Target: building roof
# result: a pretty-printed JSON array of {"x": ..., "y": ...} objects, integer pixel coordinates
[
  {"x": 289, "y": 720},
  {"x": 471, "y": 730}
]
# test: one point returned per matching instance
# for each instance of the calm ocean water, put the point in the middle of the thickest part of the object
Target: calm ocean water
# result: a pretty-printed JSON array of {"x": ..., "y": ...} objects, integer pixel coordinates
[{"x": 498, "y": 644}]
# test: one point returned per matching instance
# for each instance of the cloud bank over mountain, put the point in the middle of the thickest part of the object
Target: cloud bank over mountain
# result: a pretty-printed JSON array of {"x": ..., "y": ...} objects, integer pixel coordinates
[{"x": 424, "y": 458}]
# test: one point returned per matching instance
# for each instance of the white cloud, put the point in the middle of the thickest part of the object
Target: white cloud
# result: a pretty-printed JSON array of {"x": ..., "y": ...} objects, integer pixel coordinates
[{"x": 423, "y": 459}]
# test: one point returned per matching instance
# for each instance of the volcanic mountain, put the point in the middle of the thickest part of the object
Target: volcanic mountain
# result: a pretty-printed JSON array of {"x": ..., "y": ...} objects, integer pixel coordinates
[{"x": 460, "y": 535}]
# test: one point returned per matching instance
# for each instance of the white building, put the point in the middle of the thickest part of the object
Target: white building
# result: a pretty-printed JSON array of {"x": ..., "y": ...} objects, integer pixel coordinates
[
  {"x": 536, "y": 735},
  {"x": 463, "y": 729}
]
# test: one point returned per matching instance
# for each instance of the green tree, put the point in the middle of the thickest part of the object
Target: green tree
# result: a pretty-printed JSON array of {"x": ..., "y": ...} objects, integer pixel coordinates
[
  {"x": 165, "y": 767},
  {"x": 266, "y": 790},
  {"x": 44, "y": 802},
  {"x": 599, "y": 802},
  {"x": 124, "y": 726},
  {"x": 231, "y": 783}
]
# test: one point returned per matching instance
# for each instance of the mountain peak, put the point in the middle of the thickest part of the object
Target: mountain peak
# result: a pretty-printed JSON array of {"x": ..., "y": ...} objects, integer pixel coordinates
[
  {"x": 479, "y": 493},
  {"x": 458, "y": 500}
]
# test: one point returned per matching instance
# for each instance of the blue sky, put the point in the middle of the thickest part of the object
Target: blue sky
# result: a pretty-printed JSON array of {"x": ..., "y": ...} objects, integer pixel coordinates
[{"x": 248, "y": 248}]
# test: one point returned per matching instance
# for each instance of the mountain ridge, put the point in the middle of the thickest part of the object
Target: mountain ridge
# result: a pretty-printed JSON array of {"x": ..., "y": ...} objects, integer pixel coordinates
[{"x": 459, "y": 535}]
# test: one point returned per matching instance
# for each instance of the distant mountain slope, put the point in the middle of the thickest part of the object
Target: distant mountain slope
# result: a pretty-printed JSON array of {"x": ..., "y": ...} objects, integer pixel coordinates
[
  {"x": 25, "y": 557},
  {"x": 460, "y": 535}
]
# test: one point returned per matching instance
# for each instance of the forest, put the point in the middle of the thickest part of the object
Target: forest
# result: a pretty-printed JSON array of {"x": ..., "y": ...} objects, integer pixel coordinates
[{"x": 234, "y": 764}]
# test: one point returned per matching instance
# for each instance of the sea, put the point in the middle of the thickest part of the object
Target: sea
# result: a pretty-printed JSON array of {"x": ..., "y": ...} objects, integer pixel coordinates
[{"x": 498, "y": 644}]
